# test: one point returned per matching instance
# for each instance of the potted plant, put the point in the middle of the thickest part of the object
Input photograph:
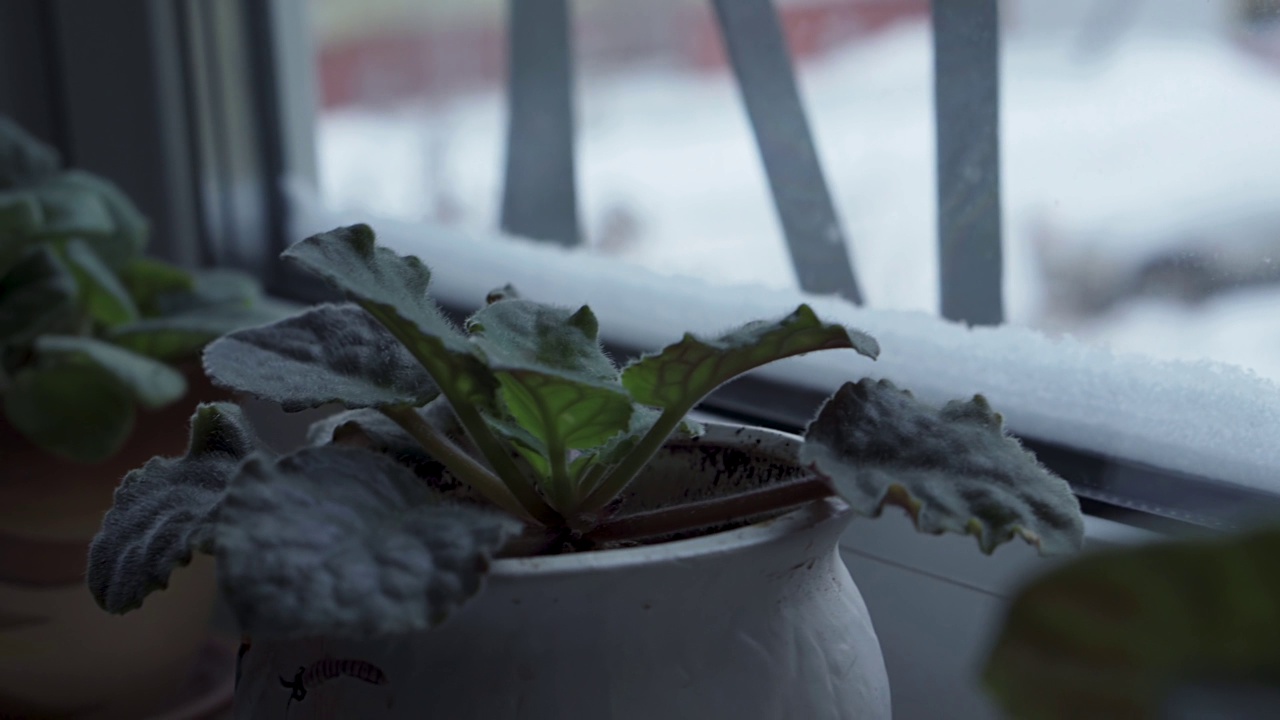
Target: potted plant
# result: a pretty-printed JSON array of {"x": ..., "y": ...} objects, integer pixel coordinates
[
  {"x": 505, "y": 524},
  {"x": 1186, "y": 628},
  {"x": 98, "y": 344}
]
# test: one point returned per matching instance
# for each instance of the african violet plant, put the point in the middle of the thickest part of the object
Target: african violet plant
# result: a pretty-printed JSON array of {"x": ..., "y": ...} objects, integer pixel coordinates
[
  {"x": 516, "y": 435},
  {"x": 88, "y": 325}
]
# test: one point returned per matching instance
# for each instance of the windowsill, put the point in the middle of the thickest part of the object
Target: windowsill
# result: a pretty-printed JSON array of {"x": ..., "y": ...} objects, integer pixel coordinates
[{"x": 1201, "y": 420}]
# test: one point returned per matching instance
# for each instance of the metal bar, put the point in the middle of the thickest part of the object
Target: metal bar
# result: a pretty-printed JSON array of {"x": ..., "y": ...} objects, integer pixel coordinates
[
  {"x": 758, "y": 51},
  {"x": 966, "y": 83},
  {"x": 539, "y": 196}
]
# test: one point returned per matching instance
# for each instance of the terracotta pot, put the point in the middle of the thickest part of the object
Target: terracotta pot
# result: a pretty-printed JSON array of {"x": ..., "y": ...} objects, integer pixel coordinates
[
  {"x": 762, "y": 622},
  {"x": 60, "y": 654}
]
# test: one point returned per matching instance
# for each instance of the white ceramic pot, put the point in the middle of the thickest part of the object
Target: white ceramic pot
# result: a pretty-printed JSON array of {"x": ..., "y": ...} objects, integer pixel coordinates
[{"x": 759, "y": 622}]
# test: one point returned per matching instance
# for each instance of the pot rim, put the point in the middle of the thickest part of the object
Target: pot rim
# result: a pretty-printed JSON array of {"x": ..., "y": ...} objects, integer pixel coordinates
[{"x": 759, "y": 533}]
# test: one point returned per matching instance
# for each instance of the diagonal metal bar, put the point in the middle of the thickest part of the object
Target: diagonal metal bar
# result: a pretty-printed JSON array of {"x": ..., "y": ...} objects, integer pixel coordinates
[
  {"x": 539, "y": 198},
  {"x": 758, "y": 52},
  {"x": 966, "y": 88}
]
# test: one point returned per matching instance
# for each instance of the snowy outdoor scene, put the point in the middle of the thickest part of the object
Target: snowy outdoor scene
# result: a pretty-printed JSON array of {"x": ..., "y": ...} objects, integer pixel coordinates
[{"x": 1140, "y": 152}]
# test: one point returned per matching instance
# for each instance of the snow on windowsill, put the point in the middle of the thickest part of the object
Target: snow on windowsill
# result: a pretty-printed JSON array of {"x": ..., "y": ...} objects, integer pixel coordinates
[{"x": 1203, "y": 418}]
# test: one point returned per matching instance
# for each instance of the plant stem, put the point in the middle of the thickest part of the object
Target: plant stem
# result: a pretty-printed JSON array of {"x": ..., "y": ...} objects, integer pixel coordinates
[
  {"x": 560, "y": 490},
  {"x": 463, "y": 466},
  {"x": 622, "y": 473},
  {"x": 716, "y": 511},
  {"x": 497, "y": 455}
]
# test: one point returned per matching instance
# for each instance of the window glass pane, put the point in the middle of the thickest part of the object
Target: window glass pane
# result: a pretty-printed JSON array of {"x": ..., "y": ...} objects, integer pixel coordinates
[
  {"x": 1142, "y": 174},
  {"x": 413, "y": 125},
  {"x": 1141, "y": 170}
]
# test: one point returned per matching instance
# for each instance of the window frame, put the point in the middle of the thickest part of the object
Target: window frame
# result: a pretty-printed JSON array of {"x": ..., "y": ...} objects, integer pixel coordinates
[{"x": 225, "y": 127}]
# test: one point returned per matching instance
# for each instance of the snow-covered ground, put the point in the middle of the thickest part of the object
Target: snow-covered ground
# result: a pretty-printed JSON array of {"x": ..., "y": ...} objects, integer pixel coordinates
[{"x": 1147, "y": 142}]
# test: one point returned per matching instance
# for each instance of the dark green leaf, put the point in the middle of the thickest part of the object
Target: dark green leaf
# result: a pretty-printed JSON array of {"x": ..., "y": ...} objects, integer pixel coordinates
[
  {"x": 211, "y": 288},
  {"x": 20, "y": 216},
  {"x": 1113, "y": 633},
  {"x": 102, "y": 294},
  {"x": 127, "y": 237},
  {"x": 71, "y": 408},
  {"x": 684, "y": 373},
  {"x": 176, "y": 337},
  {"x": 24, "y": 159},
  {"x": 953, "y": 470},
  {"x": 329, "y": 354},
  {"x": 152, "y": 384},
  {"x": 345, "y": 542},
  {"x": 373, "y": 430},
  {"x": 149, "y": 280},
  {"x": 68, "y": 211},
  {"x": 38, "y": 296},
  {"x": 394, "y": 290},
  {"x": 164, "y": 511}
]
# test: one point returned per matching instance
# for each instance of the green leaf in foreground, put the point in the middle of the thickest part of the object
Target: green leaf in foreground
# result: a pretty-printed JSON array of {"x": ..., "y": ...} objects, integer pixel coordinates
[
  {"x": 345, "y": 542},
  {"x": 953, "y": 470},
  {"x": 393, "y": 289},
  {"x": 1114, "y": 633},
  {"x": 329, "y": 354},
  {"x": 684, "y": 373},
  {"x": 681, "y": 375},
  {"x": 164, "y": 511},
  {"x": 556, "y": 381},
  {"x": 375, "y": 431}
]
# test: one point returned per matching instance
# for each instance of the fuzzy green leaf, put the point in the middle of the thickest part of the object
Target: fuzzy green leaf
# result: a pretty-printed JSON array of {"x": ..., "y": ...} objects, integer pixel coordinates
[
  {"x": 682, "y": 374},
  {"x": 329, "y": 354},
  {"x": 101, "y": 292},
  {"x": 1112, "y": 634},
  {"x": 556, "y": 381},
  {"x": 393, "y": 289},
  {"x": 525, "y": 335},
  {"x": 176, "y": 337},
  {"x": 152, "y": 384},
  {"x": 70, "y": 407},
  {"x": 619, "y": 446},
  {"x": 373, "y": 430},
  {"x": 953, "y": 470},
  {"x": 164, "y": 511},
  {"x": 37, "y": 296},
  {"x": 149, "y": 281},
  {"x": 345, "y": 542}
]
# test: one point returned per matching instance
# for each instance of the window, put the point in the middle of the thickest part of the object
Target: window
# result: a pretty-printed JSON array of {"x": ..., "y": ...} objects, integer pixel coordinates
[{"x": 1135, "y": 189}]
